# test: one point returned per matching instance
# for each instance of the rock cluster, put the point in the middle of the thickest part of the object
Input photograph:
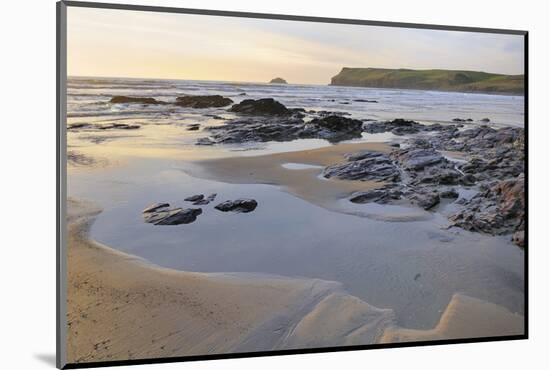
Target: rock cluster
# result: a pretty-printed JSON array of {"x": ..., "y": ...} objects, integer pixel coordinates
[
  {"x": 190, "y": 101},
  {"x": 162, "y": 214},
  {"x": 494, "y": 166},
  {"x": 331, "y": 128}
]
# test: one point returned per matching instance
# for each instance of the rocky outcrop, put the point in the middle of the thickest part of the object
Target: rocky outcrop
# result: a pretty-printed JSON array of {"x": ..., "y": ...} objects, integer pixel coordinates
[
  {"x": 261, "y": 129},
  {"x": 261, "y": 107},
  {"x": 380, "y": 196},
  {"x": 413, "y": 159},
  {"x": 120, "y": 99},
  {"x": 400, "y": 126},
  {"x": 498, "y": 209},
  {"x": 160, "y": 214},
  {"x": 278, "y": 80},
  {"x": 364, "y": 166},
  {"x": 203, "y": 101},
  {"x": 238, "y": 206},
  {"x": 494, "y": 167},
  {"x": 155, "y": 207}
]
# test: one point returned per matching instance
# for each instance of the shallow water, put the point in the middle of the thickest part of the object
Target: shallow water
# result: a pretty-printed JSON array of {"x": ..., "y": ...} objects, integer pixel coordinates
[{"x": 412, "y": 267}]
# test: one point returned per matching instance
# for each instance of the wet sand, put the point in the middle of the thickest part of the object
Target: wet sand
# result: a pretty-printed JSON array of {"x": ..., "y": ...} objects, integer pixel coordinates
[
  {"x": 464, "y": 317},
  {"x": 305, "y": 183},
  {"x": 122, "y": 307}
]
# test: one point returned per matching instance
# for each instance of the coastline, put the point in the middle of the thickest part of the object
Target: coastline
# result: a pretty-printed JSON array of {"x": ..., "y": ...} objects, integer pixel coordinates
[
  {"x": 522, "y": 94},
  {"x": 122, "y": 307}
]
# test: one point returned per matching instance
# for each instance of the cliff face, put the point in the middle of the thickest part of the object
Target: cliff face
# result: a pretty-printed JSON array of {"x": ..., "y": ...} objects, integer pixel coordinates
[{"x": 432, "y": 79}]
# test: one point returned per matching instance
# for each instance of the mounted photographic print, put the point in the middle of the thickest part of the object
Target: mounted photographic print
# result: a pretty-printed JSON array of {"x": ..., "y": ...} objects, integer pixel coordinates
[{"x": 238, "y": 184}]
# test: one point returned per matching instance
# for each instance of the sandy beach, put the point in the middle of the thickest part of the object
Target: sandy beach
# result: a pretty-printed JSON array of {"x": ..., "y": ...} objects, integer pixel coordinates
[
  {"x": 122, "y": 307},
  {"x": 305, "y": 183}
]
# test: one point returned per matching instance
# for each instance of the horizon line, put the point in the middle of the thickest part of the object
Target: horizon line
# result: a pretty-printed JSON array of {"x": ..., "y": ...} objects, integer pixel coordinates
[{"x": 294, "y": 83}]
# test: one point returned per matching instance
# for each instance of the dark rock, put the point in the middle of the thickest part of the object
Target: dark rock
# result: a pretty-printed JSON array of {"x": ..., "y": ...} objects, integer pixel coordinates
[
  {"x": 239, "y": 205},
  {"x": 260, "y": 107},
  {"x": 134, "y": 99},
  {"x": 205, "y": 141},
  {"x": 500, "y": 209},
  {"x": 203, "y": 101},
  {"x": 77, "y": 126},
  {"x": 417, "y": 159},
  {"x": 175, "y": 216},
  {"x": 518, "y": 238},
  {"x": 365, "y": 101},
  {"x": 398, "y": 126},
  {"x": 284, "y": 128},
  {"x": 193, "y": 127},
  {"x": 421, "y": 143},
  {"x": 364, "y": 154},
  {"x": 449, "y": 194},
  {"x": 214, "y": 116},
  {"x": 118, "y": 126},
  {"x": 426, "y": 200},
  {"x": 485, "y": 120},
  {"x": 336, "y": 128},
  {"x": 373, "y": 166},
  {"x": 402, "y": 126},
  {"x": 258, "y": 129},
  {"x": 194, "y": 198},
  {"x": 278, "y": 80},
  {"x": 155, "y": 207},
  {"x": 380, "y": 196},
  {"x": 325, "y": 113},
  {"x": 205, "y": 201}
]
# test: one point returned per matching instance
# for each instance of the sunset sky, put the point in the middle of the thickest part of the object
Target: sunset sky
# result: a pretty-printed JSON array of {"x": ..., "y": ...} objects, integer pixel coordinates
[{"x": 123, "y": 43}]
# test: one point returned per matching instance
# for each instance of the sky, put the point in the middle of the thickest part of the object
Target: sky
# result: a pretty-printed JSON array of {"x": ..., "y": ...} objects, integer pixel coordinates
[{"x": 124, "y": 43}]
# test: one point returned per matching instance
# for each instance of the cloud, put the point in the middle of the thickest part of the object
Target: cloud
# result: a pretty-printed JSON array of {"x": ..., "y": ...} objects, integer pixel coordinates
[{"x": 142, "y": 44}]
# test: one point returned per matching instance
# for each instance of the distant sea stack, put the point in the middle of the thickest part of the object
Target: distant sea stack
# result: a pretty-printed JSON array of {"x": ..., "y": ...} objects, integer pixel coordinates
[
  {"x": 278, "y": 80},
  {"x": 430, "y": 79}
]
